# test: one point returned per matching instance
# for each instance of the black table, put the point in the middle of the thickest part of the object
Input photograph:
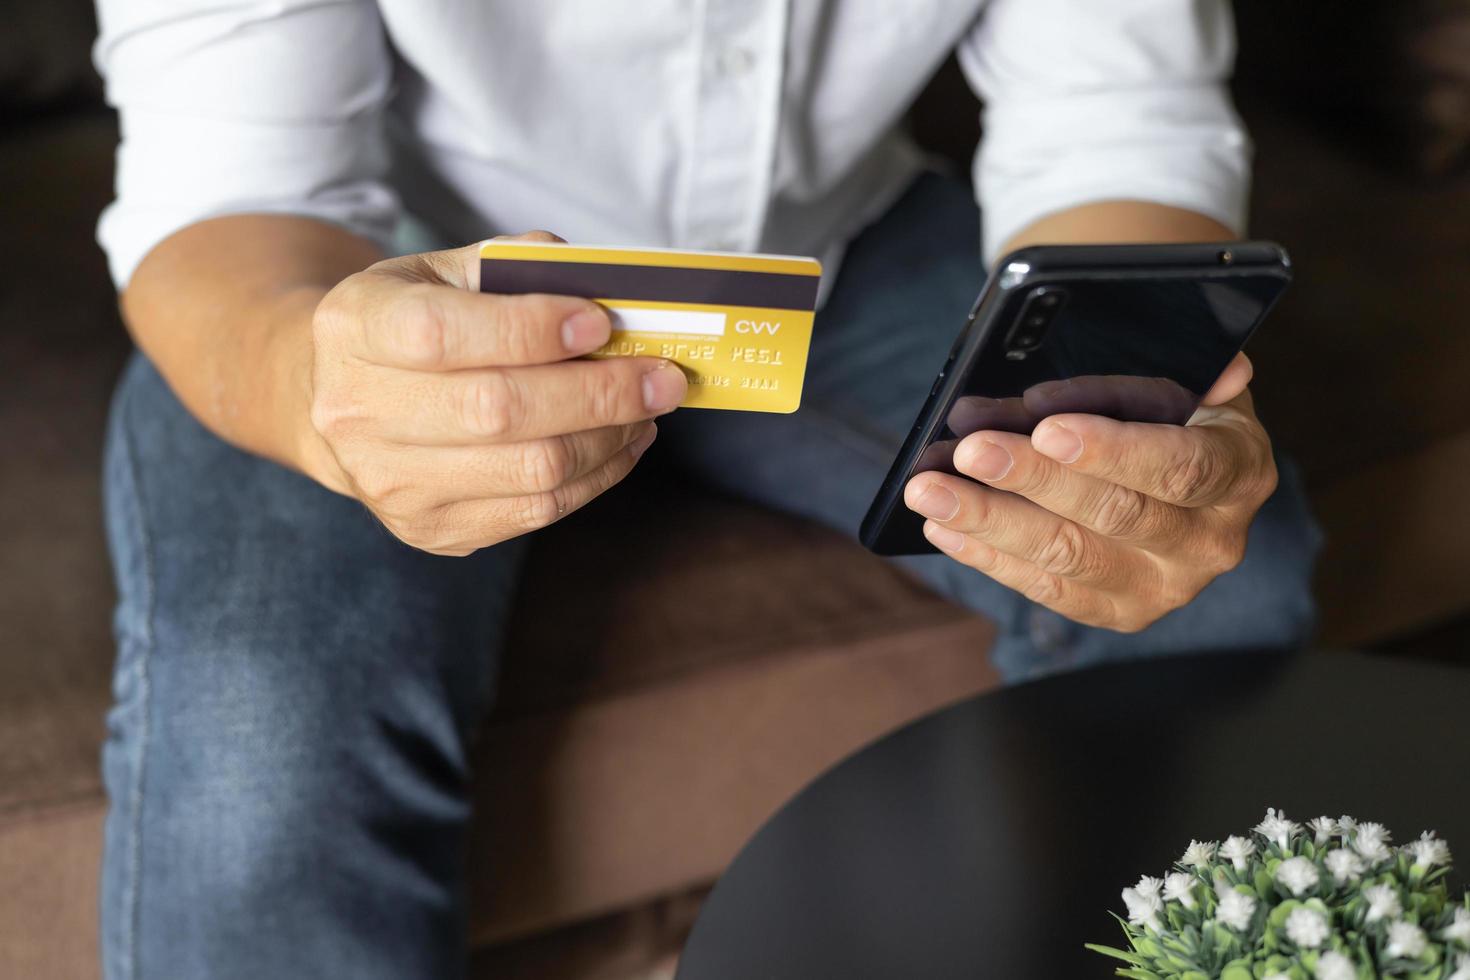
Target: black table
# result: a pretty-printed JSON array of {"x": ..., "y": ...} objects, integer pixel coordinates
[{"x": 991, "y": 839}]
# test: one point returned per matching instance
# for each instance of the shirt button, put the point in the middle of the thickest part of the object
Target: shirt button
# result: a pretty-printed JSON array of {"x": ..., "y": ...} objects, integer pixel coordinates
[{"x": 734, "y": 61}]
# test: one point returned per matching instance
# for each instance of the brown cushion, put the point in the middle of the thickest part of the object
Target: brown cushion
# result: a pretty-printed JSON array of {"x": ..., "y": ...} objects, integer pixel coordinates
[
  {"x": 1432, "y": 95},
  {"x": 45, "y": 54},
  {"x": 1364, "y": 359},
  {"x": 61, "y": 342},
  {"x": 653, "y": 790},
  {"x": 1391, "y": 77},
  {"x": 660, "y": 578},
  {"x": 48, "y": 907}
]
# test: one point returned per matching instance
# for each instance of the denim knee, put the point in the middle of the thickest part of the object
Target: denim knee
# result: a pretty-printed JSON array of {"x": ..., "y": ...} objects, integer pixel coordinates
[
  {"x": 277, "y": 795},
  {"x": 294, "y": 692}
]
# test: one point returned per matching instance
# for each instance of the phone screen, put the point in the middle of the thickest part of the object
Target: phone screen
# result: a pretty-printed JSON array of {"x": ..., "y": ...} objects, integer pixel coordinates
[
  {"x": 1138, "y": 348},
  {"x": 1134, "y": 350}
]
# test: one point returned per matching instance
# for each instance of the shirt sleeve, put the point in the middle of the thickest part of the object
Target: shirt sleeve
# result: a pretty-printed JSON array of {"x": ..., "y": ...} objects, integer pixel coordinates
[
  {"x": 257, "y": 106},
  {"x": 1092, "y": 100}
]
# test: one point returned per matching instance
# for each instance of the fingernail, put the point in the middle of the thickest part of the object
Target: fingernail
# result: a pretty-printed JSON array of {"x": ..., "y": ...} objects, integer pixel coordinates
[
  {"x": 663, "y": 388},
  {"x": 943, "y": 538},
  {"x": 937, "y": 502},
  {"x": 585, "y": 331},
  {"x": 1058, "y": 442},
  {"x": 992, "y": 463},
  {"x": 640, "y": 445}
]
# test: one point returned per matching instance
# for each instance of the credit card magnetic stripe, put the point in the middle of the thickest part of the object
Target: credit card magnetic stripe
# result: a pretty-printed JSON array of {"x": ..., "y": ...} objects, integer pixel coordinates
[
  {"x": 738, "y": 324},
  {"x": 707, "y": 287}
]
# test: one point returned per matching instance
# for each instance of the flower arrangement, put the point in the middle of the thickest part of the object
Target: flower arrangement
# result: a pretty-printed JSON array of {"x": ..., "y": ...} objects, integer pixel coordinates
[{"x": 1329, "y": 900}]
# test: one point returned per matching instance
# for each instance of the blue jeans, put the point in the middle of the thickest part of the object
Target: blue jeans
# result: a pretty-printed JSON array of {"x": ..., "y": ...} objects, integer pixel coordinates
[{"x": 295, "y": 689}]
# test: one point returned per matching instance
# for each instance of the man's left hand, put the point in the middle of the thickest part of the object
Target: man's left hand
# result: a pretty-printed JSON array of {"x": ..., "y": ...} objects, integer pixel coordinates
[{"x": 1112, "y": 524}]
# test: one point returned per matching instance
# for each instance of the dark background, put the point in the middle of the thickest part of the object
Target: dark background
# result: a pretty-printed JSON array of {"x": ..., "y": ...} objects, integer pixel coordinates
[{"x": 1361, "y": 115}]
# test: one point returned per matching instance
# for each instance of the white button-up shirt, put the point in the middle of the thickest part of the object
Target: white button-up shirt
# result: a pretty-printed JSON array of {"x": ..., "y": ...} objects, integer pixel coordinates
[{"x": 765, "y": 125}]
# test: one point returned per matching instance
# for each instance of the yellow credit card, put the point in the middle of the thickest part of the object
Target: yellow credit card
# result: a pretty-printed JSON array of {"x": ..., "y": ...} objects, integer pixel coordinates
[{"x": 738, "y": 324}]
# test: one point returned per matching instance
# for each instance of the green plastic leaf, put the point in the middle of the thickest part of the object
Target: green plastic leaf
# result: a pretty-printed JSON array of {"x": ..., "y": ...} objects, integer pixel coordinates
[
  {"x": 1147, "y": 947},
  {"x": 1117, "y": 954}
]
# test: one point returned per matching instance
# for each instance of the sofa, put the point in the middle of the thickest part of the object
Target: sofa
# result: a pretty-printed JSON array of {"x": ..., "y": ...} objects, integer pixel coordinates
[{"x": 643, "y": 735}]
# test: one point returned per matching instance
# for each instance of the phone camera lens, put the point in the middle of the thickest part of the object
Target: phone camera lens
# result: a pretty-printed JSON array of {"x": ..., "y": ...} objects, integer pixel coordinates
[
  {"x": 1227, "y": 257},
  {"x": 1035, "y": 318}
]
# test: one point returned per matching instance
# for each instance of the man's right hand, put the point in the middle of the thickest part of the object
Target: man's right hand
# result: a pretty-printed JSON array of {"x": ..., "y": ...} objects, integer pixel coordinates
[{"x": 462, "y": 418}]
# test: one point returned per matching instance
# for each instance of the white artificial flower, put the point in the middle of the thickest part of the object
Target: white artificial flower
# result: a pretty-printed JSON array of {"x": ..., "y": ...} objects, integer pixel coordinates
[
  {"x": 1298, "y": 875},
  {"x": 1149, "y": 887},
  {"x": 1459, "y": 930},
  {"x": 1238, "y": 851},
  {"x": 1235, "y": 909},
  {"x": 1199, "y": 854},
  {"x": 1346, "y": 825},
  {"x": 1383, "y": 902},
  {"x": 1306, "y": 928},
  {"x": 1429, "y": 850},
  {"x": 1371, "y": 841},
  {"x": 1277, "y": 829},
  {"x": 1179, "y": 887},
  {"x": 1462, "y": 968},
  {"x": 1322, "y": 830},
  {"x": 1345, "y": 865},
  {"x": 1405, "y": 939},
  {"x": 1374, "y": 852},
  {"x": 1143, "y": 909},
  {"x": 1335, "y": 966}
]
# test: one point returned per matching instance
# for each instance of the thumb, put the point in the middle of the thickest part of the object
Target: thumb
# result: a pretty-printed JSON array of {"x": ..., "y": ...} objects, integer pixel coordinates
[
  {"x": 1232, "y": 381},
  {"x": 461, "y": 266}
]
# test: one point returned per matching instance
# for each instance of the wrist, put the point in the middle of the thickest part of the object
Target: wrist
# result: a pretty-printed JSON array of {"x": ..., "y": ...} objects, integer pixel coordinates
[
  {"x": 314, "y": 458},
  {"x": 300, "y": 445}
]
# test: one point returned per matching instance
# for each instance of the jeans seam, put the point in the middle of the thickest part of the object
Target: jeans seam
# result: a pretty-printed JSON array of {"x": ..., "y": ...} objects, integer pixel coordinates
[{"x": 131, "y": 893}]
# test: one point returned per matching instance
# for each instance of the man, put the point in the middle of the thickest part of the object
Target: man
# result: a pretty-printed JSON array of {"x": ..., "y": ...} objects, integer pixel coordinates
[{"x": 294, "y": 683}]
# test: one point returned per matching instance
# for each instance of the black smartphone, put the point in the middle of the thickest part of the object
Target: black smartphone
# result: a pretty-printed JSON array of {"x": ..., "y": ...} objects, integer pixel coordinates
[{"x": 1138, "y": 333}]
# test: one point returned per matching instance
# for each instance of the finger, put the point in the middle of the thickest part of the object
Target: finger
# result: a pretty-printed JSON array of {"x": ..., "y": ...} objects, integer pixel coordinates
[
  {"x": 1225, "y": 457},
  {"x": 1071, "y": 599},
  {"x": 468, "y": 525},
  {"x": 1232, "y": 381},
  {"x": 426, "y": 326},
  {"x": 521, "y": 468},
  {"x": 506, "y": 405},
  {"x": 1010, "y": 462},
  {"x": 539, "y": 235},
  {"x": 1019, "y": 527}
]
